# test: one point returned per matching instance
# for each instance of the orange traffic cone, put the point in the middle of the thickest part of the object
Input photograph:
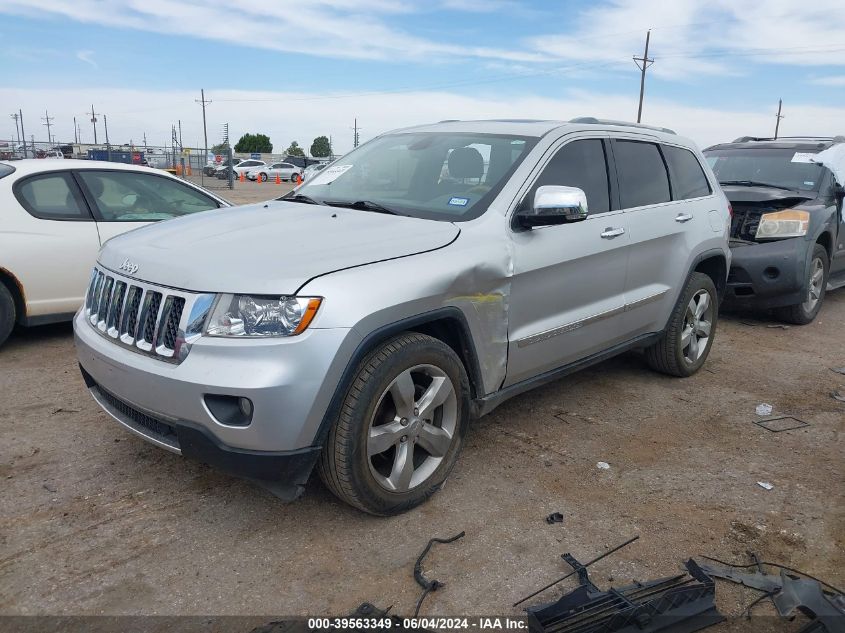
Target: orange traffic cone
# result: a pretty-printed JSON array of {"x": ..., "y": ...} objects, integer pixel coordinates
[
  {"x": 278, "y": 179},
  {"x": 243, "y": 177},
  {"x": 298, "y": 179}
]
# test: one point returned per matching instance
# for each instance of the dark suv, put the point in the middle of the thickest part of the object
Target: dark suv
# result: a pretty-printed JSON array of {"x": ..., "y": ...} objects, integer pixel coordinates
[{"x": 788, "y": 230}]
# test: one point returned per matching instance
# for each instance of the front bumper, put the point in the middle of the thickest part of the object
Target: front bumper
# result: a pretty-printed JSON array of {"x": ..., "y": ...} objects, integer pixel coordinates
[
  {"x": 768, "y": 274},
  {"x": 289, "y": 382}
]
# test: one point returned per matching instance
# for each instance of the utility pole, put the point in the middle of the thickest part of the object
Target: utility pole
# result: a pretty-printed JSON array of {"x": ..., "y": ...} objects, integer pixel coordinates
[
  {"x": 48, "y": 120},
  {"x": 145, "y": 141},
  {"x": 108, "y": 146},
  {"x": 779, "y": 117},
  {"x": 94, "y": 121},
  {"x": 181, "y": 147},
  {"x": 17, "y": 130},
  {"x": 75, "y": 135},
  {"x": 23, "y": 136},
  {"x": 204, "y": 129},
  {"x": 355, "y": 137},
  {"x": 643, "y": 63}
]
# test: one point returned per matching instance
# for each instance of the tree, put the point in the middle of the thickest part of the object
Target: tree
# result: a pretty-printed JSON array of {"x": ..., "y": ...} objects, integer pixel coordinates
[
  {"x": 321, "y": 147},
  {"x": 249, "y": 143},
  {"x": 294, "y": 149},
  {"x": 220, "y": 148}
]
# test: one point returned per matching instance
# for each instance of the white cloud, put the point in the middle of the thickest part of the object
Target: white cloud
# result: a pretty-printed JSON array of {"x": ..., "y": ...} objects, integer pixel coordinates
[
  {"x": 834, "y": 80},
  {"x": 133, "y": 112},
  {"x": 87, "y": 57},
  {"x": 691, "y": 37}
]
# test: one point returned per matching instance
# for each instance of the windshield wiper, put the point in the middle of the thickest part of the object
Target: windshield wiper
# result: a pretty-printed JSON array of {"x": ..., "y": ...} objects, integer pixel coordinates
[
  {"x": 754, "y": 183},
  {"x": 364, "y": 205},
  {"x": 298, "y": 198}
]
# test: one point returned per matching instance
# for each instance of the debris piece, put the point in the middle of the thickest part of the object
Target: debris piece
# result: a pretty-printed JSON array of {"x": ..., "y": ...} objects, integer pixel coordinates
[
  {"x": 63, "y": 410},
  {"x": 765, "y": 484},
  {"x": 781, "y": 423},
  {"x": 48, "y": 488},
  {"x": 681, "y": 603},
  {"x": 838, "y": 395},
  {"x": 577, "y": 571},
  {"x": 788, "y": 591},
  {"x": 838, "y": 370},
  {"x": 554, "y": 517},
  {"x": 429, "y": 585},
  {"x": 764, "y": 409},
  {"x": 778, "y": 326},
  {"x": 603, "y": 465}
]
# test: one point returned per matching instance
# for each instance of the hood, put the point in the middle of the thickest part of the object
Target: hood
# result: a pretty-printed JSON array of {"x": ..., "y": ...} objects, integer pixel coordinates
[
  {"x": 268, "y": 248},
  {"x": 738, "y": 193}
]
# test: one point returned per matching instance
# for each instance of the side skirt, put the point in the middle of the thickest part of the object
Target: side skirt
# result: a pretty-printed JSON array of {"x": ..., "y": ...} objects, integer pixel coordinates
[{"x": 483, "y": 406}]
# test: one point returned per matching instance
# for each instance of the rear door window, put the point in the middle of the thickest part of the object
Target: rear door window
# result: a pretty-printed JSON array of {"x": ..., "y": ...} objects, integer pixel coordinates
[
  {"x": 579, "y": 164},
  {"x": 53, "y": 196},
  {"x": 643, "y": 179},
  {"x": 128, "y": 196},
  {"x": 688, "y": 179}
]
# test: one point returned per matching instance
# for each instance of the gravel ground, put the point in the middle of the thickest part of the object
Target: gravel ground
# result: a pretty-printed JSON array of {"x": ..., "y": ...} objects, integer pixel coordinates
[{"x": 95, "y": 521}]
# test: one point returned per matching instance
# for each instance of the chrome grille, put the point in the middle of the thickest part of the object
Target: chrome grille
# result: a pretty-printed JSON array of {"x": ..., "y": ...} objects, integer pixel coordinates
[{"x": 153, "y": 320}]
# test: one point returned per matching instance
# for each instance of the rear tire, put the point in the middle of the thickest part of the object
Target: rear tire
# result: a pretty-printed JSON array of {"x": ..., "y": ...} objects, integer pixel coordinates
[
  {"x": 400, "y": 427},
  {"x": 7, "y": 313},
  {"x": 686, "y": 343},
  {"x": 806, "y": 312},
  {"x": 262, "y": 177}
]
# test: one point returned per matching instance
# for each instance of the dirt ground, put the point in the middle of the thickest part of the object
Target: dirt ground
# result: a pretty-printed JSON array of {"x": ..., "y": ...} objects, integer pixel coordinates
[{"x": 95, "y": 521}]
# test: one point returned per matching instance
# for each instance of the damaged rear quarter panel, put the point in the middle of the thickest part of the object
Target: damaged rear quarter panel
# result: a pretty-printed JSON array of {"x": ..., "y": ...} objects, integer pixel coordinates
[{"x": 472, "y": 274}]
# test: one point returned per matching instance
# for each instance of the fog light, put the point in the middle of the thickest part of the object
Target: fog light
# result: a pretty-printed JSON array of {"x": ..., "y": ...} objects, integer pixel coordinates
[
  {"x": 245, "y": 405},
  {"x": 230, "y": 410}
]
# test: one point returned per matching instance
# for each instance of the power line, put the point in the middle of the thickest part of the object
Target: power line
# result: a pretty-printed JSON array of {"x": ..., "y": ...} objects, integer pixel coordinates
[{"x": 646, "y": 62}]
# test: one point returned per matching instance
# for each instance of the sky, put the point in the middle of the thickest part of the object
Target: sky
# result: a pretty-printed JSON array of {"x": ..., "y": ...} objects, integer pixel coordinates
[{"x": 296, "y": 70}]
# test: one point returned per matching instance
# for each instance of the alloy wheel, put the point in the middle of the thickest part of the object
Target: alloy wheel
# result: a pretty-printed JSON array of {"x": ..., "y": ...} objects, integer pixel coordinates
[
  {"x": 413, "y": 428},
  {"x": 698, "y": 323},
  {"x": 814, "y": 292}
]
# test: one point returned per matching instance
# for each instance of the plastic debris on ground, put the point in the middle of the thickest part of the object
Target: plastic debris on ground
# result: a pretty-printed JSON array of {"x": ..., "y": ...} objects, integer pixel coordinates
[
  {"x": 765, "y": 484},
  {"x": 838, "y": 395},
  {"x": 764, "y": 409},
  {"x": 603, "y": 465},
  {"x": 554, "y": 517}
]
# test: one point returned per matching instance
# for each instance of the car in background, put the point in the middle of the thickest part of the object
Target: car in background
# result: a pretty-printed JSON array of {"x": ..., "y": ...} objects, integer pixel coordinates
[
  {"x": 285, "y": 171},
  {"x": 55, "y": 216},
  {"x": 787, "y": 230},
  {"x": 313, "y": 170},
  {"x": 241, "y": 167}
]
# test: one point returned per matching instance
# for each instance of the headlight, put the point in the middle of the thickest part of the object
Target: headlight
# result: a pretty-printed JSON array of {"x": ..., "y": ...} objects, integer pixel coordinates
[
  {"x": 250, "y": 316},
  {"x": 789, "y": 223}
]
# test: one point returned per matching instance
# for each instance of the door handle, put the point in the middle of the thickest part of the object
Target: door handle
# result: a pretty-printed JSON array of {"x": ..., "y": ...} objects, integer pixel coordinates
[
  {"x": 683, "y": 217},
  {"x": 610, "y": 232}
]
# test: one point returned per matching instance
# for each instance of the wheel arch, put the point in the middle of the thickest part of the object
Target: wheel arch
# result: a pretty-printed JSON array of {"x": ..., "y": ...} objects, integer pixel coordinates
[
  {"x": 825, "y": 239},
  {"x": 714, "y": 264},
  {"x": 447, "y": 324},
  {"x": 18, "y": 295}
]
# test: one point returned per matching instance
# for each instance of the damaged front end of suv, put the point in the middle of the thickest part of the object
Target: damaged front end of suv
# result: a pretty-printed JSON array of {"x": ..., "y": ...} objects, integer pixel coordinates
[{"x": 787, "y": 228}]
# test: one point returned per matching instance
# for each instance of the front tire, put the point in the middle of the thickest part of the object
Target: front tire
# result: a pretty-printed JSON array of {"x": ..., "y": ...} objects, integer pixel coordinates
[
  {"x": 400, "y": 427},
  {"x": 686, "y": 343},
  {"x": 7, "y": 313},
  {"x": 806, "y": 312}
]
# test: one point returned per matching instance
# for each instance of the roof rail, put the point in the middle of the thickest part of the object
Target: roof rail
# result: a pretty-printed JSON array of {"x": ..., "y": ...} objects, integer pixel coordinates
[
  {"x": 593, "y": 120},
  {"x": 745, "y": 139}
]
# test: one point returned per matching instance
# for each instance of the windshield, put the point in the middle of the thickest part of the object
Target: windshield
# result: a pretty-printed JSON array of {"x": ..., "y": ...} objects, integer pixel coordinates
[
  {"x": 439, "y": 176},
  {"x": 779, "y": 167}
]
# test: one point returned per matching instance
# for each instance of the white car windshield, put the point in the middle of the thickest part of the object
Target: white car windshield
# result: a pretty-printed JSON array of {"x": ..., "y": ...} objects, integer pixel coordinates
[{"x": 440, "y": 176}]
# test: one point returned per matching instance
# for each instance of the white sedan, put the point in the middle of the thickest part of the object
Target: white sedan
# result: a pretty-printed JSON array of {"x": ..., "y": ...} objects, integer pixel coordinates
[
  {"x": 285, "y": 171},
  {"x": 55, "y": 215}
]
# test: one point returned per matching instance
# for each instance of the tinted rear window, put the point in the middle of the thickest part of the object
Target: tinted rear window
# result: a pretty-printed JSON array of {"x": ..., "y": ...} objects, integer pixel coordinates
[
  {"x": 642, "y": 175},
  {"x": 688, "y": 179},
  {"x": 5, "y": 170},
  {"x": 782, "y": 167}
]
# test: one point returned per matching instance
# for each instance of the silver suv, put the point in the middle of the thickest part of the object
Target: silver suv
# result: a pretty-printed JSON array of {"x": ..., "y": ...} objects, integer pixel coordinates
[{"x": 360, "y": 322}]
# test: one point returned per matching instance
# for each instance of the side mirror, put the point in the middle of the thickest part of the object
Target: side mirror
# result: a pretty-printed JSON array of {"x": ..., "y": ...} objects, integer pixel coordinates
[
  {"x": 553, "y": 205},
  {"x": 838, "y": 191}
]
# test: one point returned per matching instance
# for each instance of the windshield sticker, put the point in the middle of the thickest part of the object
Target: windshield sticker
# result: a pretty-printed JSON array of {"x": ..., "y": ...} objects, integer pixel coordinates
[
  {"x": 330, "y": 174},
  {"x": 458, "y": 202},
  {"x": 802, "y": 157}
]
